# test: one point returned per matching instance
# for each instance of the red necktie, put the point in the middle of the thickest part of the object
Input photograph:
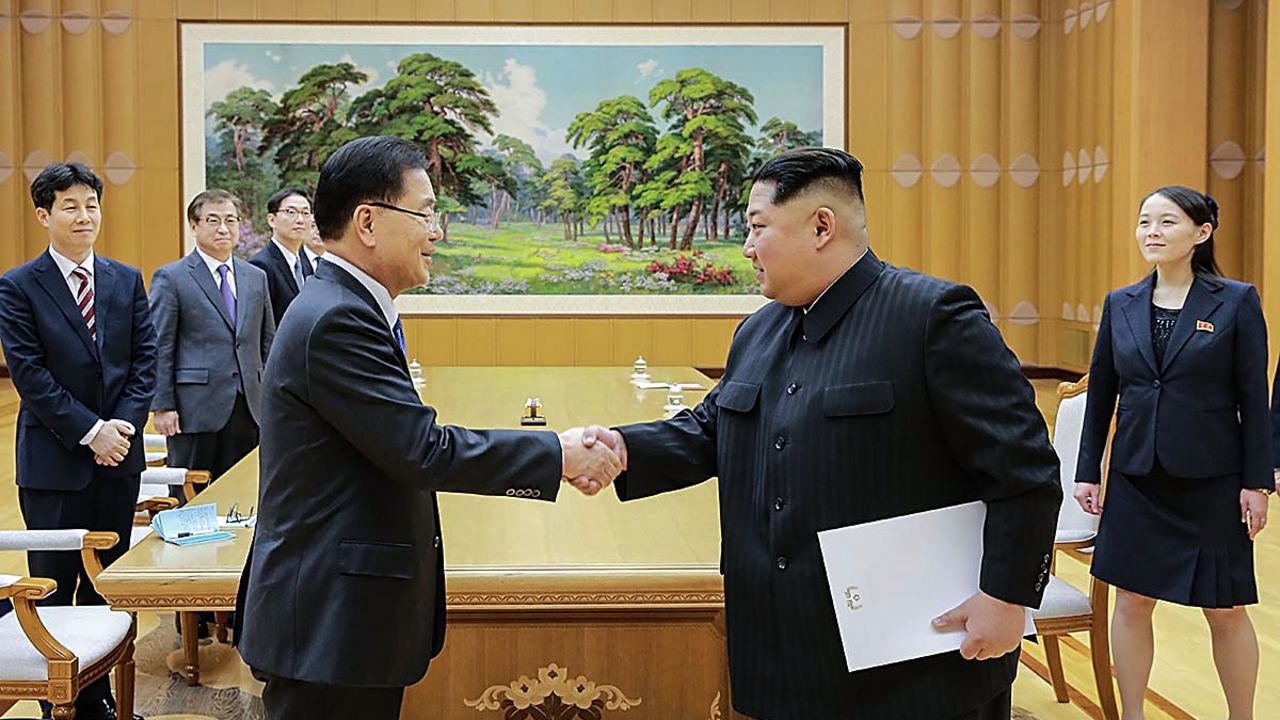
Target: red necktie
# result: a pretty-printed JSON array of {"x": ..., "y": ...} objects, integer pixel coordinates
[{"x": 84, "y": 298}]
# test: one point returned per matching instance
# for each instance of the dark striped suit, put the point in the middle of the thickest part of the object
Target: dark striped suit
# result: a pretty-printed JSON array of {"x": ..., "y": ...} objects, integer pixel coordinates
[{"x": 895, "y": 394}]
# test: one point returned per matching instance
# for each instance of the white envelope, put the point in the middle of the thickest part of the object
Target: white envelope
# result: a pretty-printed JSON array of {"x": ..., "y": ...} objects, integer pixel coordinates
[{"x": 890, "y": 578}]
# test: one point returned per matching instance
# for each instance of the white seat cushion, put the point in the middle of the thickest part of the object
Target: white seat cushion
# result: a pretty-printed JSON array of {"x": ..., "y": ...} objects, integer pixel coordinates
[
  {"x": 89, "y": 632},
  {"x": 146, "y": 491},
  {"x": 137, "y": 533},
  {"x": 1069, "y": 535},
  {"x": 154, "y": 441},
  {"x": 1062, "y": 599},
  {"x": 156, "y": 456},
  {"x": 164, "y": 476}
]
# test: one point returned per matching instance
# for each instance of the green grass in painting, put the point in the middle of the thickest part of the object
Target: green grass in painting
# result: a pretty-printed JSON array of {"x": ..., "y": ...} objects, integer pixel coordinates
[{"x": 522, "y": 258}]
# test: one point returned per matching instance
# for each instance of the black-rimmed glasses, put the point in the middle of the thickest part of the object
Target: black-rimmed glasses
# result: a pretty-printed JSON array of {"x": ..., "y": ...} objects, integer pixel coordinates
[
  {"x": 234, "y": 516},
  {"x": 430, "y": 217}
]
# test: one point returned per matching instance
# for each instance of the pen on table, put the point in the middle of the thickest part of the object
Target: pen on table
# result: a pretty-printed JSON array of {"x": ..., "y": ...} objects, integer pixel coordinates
[{"x": 184, "y": 534}]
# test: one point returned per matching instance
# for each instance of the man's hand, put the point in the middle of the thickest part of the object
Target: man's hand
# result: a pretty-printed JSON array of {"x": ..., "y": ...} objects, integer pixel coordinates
[
  {"x": 590, "y": 468},
  {"x": 993, "y": 627},
  {"x": 1276, "y": 477},
  {"x": 167, "y": 422},
  {"x": 110, "y": 445},
  {"x": 1089, "y": 495}
]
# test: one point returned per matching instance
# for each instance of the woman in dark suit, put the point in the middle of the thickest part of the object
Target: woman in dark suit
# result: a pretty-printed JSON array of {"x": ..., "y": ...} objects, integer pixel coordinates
[{"x": 1186, "y": 352}]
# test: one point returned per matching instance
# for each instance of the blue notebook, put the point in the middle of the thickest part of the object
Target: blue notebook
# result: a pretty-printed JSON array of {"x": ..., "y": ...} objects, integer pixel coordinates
[{"x": 190, "y": 525}]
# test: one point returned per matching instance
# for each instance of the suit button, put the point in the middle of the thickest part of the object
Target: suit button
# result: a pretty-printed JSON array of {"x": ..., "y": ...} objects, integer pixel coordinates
[
  {"x": 235, "y": 374},
  {"x": 782, "y": 562},
  {"x": 1155, "y": 383},
  {"x": 780, "y": 443},
  {"x": 778, "y": 503},
  {"x": 792, "y": 388},
  {"x": 437, "y": 541}
]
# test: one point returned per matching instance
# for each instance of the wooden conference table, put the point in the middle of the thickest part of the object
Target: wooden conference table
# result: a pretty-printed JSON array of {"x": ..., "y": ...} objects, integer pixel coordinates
[{"x": 585, "y": 600}]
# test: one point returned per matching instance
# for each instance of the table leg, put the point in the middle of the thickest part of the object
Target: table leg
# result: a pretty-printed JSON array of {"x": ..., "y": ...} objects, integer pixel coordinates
[{"x": 191, "y": 647}]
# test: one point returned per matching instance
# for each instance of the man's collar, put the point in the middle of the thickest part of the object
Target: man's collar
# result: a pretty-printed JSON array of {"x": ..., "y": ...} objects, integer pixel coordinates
[
  {"x": 837, "y": 299},
  {"x": 66, "y": 264},
  {"x": 213, "y": 262},
  {"x": 290, "y": 256},
  {"x": 375, "y": 288}
]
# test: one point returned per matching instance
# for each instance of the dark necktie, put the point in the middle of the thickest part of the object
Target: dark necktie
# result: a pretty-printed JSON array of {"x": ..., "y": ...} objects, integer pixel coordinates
[
  {"x": 304, "y": 263},
  {"x": 398, "y": 331}
]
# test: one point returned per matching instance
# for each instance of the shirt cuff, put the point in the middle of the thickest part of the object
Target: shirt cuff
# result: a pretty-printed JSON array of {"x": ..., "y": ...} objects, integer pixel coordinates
[{"x": 93, "y": 432}]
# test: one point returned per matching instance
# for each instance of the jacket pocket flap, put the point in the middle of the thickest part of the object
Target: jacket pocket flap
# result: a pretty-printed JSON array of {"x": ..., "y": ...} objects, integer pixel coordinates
[
  {"x": 738, "y": 396},
  {"x": 870, "y": 398},
  {"x": 393, "y": 560},
  {"x": 191, "y": 376}
]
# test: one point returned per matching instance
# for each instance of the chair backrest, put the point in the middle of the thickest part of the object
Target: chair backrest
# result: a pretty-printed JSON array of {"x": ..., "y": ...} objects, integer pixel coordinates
[{"x": 1073, "y": 523}]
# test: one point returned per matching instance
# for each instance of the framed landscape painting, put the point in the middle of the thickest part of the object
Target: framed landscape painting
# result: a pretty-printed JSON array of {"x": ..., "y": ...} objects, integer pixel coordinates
[{"x": 579, "y": 169}]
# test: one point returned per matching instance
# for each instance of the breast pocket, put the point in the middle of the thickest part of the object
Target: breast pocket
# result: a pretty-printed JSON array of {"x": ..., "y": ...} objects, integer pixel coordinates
[
  {"x": 739, "y": 397},
  {"x": 191, "y": 376},
  {"x": 376, "y": 559},
  {"x": 859, "y": 399}
]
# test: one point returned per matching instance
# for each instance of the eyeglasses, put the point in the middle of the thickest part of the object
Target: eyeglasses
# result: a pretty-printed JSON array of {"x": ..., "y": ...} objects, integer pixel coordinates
[
  {"x": 431, "y": 217},
  {"x": 295, "y": 213},
  {"x": 234, "y": 516},
  {"x": 214, "y": 221}
]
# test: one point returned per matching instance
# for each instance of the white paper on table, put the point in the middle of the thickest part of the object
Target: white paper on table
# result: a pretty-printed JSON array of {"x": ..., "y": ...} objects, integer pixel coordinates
[
  {"x": 668, "y": 386},
  {"x": 890, "y": 578}
]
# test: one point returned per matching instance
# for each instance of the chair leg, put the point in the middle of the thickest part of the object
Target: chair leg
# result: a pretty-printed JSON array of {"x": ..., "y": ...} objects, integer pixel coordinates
[
  {"x": 64, "y": 712},
  {"x": 1053, "y": 657},
  {"x": 1100, "y": 650},
  {"x": 125, "y": 674},
  {"x": 191, "y": 647},
  {"x": 220, "y": 618}
]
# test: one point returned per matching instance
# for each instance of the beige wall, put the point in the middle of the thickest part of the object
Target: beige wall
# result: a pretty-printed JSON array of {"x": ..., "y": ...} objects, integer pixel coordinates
[{"x": 974, "y": 118}]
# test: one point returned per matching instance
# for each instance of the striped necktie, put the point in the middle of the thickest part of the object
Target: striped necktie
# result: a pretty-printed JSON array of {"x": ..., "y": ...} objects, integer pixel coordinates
[{"x": 84, "y": 299}]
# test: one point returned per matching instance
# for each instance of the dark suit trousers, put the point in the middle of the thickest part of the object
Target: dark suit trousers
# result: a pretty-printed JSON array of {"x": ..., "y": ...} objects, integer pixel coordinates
[
  {"x": 287, "y": 699},
  {"x": 107, "y": 503},
  {"x": 216, "y": 451}
]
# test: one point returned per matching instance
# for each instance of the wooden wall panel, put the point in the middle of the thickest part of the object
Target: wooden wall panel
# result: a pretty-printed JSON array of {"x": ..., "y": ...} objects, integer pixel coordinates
[{"x": 938, "y": 90}]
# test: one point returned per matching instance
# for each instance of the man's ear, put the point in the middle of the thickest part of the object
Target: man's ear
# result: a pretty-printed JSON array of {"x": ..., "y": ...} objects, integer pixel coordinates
[
  {"x": 824, "y": 225},
  {"x": 362, "y": 220},
  {"x": 42, "y": 216}
]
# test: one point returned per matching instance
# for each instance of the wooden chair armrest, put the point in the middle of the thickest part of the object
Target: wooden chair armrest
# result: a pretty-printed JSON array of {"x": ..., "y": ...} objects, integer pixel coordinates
[
  {"x": 25, "y": 608},
  {"x": 154, "y": 505},
  {"x": 93, "y": 542},
  {"x": 195, "y": 477},
  {"x": 29, "y": 587}
]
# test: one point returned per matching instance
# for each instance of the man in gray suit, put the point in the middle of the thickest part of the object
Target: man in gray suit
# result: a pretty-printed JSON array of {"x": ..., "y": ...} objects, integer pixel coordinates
[{"x": 214, "y": 326}]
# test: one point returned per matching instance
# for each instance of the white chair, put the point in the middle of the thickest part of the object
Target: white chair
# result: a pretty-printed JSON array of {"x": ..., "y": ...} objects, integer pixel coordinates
[
  {"x": 156, "y": 448},
  {"x": 1066, "y": 609},
  {"x": 191, "y": 481},
  {"x": 50, "y": 653}
]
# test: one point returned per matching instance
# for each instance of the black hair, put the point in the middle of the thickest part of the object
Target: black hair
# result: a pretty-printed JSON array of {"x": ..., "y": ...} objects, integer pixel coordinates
[
  {"x": 1201, "y": 208},
  {"x": 57, "y": 177},
  {"x": 213, "y": 195},
  {"x": 795, "y": 171},
  {"x": 273, "y": 202},
  {"x": 369, "y": 168}
]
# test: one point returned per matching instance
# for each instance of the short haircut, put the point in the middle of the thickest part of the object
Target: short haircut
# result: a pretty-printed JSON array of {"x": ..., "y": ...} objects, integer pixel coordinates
[
  {"x": 273, "y": 202},
  {"x": 215, "y": 195},
  {"x": 795, "y": 171},
  {"x": 57, "y": 177},
  {"x": 370, "y": 168}
]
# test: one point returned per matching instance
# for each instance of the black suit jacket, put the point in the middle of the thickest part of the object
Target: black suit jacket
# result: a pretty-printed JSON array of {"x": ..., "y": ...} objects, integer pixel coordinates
[
  {"x": 68, "y": 381},
  {"x": 894, "y": 395},
  {"x": 280, "y": 281},
  {"x": 1203, "y": 410},
  {"x": 346, "y": 581}
]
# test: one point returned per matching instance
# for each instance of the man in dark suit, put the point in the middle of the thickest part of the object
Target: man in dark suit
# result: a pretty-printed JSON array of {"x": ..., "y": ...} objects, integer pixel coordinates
[
  {"x": 863, "y": 392},
  {"x": 78, "y": 340},
  {"x": 214, "y": 326},
  {"x": 344, "y": 602},
  {"x": 285, "y": 259}
]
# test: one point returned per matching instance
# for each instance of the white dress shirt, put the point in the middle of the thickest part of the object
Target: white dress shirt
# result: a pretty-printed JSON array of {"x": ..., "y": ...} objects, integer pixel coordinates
[
  {"x": 375, "y": 288},
  {"x": 290, "y": 258},
  {"x": 212, "y": 263},
  {"x": 66, "y": 265}
]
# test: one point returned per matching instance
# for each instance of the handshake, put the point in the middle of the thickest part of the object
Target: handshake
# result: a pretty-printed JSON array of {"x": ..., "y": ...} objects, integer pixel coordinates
[{"x": 592, "y": 457}]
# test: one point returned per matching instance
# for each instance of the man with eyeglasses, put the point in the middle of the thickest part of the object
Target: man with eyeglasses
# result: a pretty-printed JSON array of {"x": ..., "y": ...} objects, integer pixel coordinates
[
  {"x": 286, "y": 259},
  {"x": 214, "y": 326}
]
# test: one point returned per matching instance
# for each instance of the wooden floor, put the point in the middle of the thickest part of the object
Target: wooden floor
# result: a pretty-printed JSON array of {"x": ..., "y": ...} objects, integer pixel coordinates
[{"x": 1184, "y": 685}]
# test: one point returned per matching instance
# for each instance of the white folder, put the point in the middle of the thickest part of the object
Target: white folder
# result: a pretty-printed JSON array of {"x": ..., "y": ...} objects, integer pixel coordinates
[{"x": 890, "y": 578}]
